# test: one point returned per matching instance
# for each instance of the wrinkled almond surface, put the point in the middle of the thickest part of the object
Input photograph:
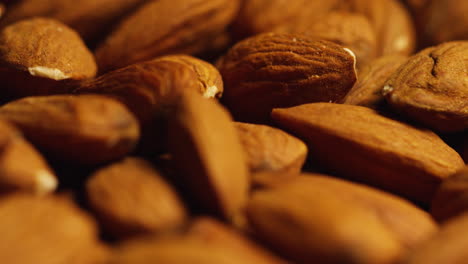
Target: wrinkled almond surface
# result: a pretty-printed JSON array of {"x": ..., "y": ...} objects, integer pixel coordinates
[
  {"x": 358, "y": 143},
  {"x": 80, "y": 129},
  {"x": 281, "y": 70}
]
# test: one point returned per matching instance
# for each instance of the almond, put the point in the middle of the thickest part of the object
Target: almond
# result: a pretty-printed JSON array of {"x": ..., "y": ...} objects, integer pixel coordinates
[
  {"x": 271, "y": 149},
  {"x": 35, "y": 178},
  {"x": 36, "y": 54},
  {"x": 281, "y": 70},
  {"x": 358, "y": 143},
  {"x": 368, "y": 90},
  {"x": 451, "y": 199},
  {"x": 208, "y": 155},
  {"x": 90, "y": 18},
  {"x": 47, "y": 230},
  {"x": 86, "y": 129},
  {"x": 131, "y": 198},
  {"x": 165, "y": 27},
  {"x": 432, "y": 87}
]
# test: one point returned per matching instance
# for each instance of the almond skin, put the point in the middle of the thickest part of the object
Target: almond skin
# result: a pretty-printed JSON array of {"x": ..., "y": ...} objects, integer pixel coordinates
[
  {"x": 281, "y": 70},
  {"x": 38, "y": 55},
  {"x": 271, "y": 149},
  {"x": 358, "y": 143},
  {"x": 451, "y": 199},
  {"x": 47, "y": 230},
  {"x": 90, "y": 18},
  {"x": 162, "y": 27},
  {"x": 131, "y": 198},
  {"x": 432, "y": 87},
  {"x": 35, "y": 178},
  {"x": 91, "y": 129},
  {"x": 367, "y": 91},
  {"x": 200, "y": 131}
]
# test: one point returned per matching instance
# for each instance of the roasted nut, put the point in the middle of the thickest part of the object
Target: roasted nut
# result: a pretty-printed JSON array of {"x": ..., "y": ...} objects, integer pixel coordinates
[
  {"x": 448, "y": 246},
  {"x": 86, "y": 129},
  {"x": 208, "y": 155},
  {"x": 432, "y": 87},
  {"x": 90, "y": 18},
  {"x": 131, "y": 198},
  {"x": 271, "y": 149},
  {"x": 451, "y": 199},
  {"x": 165, "y": 27},
  {"x": 319, "y": 219},
  {"x": 15, "y": 152},
  {"x": 367, "y": 91},
  {"x": 36, "y": 54},
  {"x": 47, "y": 230},
  {"x": 280, "y": 70},
  {"x": 357, "y": 143}
]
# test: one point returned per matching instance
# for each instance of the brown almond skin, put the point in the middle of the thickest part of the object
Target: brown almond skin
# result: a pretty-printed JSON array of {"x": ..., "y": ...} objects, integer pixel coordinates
[
  {"x": 35, "y": 178},
  {"x": 310, "y": 223},
  {"x": 350, "y": 30},
  {"x": 260, "y": 16},
  {"x": 162, "y": 27},
  {"x": 448, "y": 246},
  {"x": 87, "y": 129},
  {"x": 200, "y": 133},
  {"x": 451, "y": 199},
  {"x": 281, "y": 70},
  {"x": 131, "y": 198},
  {"x": 90, "y": 18},
  {"x": 432, "y": 87},
  {"x": 271, "y": 149},
  {"x": 39, "y": 54},
  {"x": 357, "y": 143},
  {"x": 47, "y": 230},
  {"x": 367, "y": 91}
]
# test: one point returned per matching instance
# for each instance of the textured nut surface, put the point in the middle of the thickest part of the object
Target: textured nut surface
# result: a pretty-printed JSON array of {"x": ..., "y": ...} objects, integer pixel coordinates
[
  {"x": 36, "y": 177},
  {"x": 90, "y": 18},
  {"x": 351, "y": 30},
  {"x": 271, "y": 149},
  {"x": 46, "y": 230},
  {"x": 310, "y": 223},
  {"x": 45, "y": 48},
  {"x": 367, "y": 91},
  {"x": 281, "y": 70},
  {"x": 448, "y": 246},
  {"x": 163, "y": 27},
  {"x": 451, "y": 199},
  {"x": 208, "y": 155},
  {"x": 131, "y": 198},
  {"x": 80, "y": 129},
  {"x": 432, "y": 87},
  {"x": 356, "y": 142}
]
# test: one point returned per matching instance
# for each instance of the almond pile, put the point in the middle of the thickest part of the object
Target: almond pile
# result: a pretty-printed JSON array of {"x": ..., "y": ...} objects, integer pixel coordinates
[{"x": 233, "y": 131}]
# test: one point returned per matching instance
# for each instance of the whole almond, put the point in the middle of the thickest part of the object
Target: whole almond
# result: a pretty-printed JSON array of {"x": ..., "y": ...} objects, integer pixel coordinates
[
  {"x": 208, "y": 155},
  {"x": 448, "y": 246},
  {"x": 358, "y": 143},
  {"x": 15, "y": 152},
  {"x": 409, "y": 226},
  {"x": 47, "y": 230},
  {"x": 351, "y": 30},
  {"x": 271, "y": 149},
  {"x": 131, "y": 198},
  {"x": 451, "y": 199},
  {"x": 36, "y": 54},
  {"x": 90, "y": 18},
  {"x": 86, "y": 129},
  {"x": 432, "y": 87},
  {"x": 367, "y": 91},
  {"x": 281, "y": 70},
  {"x": 163, "y": 27}
]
